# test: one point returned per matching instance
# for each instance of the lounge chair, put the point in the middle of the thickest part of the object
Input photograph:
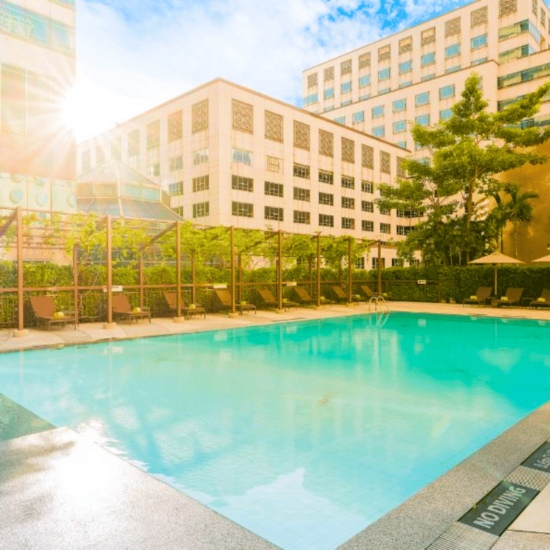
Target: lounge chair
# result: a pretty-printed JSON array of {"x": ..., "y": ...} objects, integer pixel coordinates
[
  {"x": 483, "y": 293},
  {"x": 544, "y": 302},
  {"x": 224, "y": 300},
  {"x": 304, "y": 298},
  {"x": 172, "y": 301},
  {"x": 513, "y": 296},
  {"x": 368, "y": 292},
  {"x": 44, "y": 310},
  {"x": 122, "y": 309},
  {"x": 341, "y": 295},
  {"x": 270, "y": 301}
]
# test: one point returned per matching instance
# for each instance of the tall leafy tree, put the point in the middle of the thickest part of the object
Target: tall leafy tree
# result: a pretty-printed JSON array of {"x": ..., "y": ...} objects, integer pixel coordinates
[{"x": 465, "y": 153}]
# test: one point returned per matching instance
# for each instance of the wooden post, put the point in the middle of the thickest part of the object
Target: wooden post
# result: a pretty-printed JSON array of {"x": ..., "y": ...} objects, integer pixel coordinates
[
  {"x": 194, "y": 277},
  {"x": 241, "y": 294},
  {"x": 141, "y": 280},
  {"x": 280, "y": 271},
  {"x": 178, "y": 270},
  {"x": 350, "y": 270},
  {"x": 319, "y": 270},
  {"x": 233, "y": 296},
  {"x": 75, "y": 283},
  {"x": 380, "y": 268},
  {"x": 20, "y": 277},
  {"x": 109, "y": 230},
  {"x": 310, "y": 265}
]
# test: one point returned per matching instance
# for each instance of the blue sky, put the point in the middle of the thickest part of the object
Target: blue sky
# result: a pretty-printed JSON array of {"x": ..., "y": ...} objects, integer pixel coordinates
[{"x": 134, "y": 54}]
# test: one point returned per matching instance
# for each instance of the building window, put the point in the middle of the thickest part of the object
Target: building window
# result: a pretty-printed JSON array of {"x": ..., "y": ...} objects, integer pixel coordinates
[
  {"x": 384, "y": 74},
  {"x": 311, "y": 100},
  {"x": 445, "y": 115},
  {"x": 405, "y": 67},
  {"x": 201, "y": 210},
  {"x": 402, "y": 144},
  {"x": 274, "y": 214},
  {"x": 178, "y": 210},
  {"x": 524, "y": 76},
  {"x": 516, "y": 53},
  {"x": 385, "y": 228},
  {"x": 367, "y": 187},
  {"x": 301, "y": 194},
  {"x": 453, "y": 69},
  {"x": 447, "y": 92},
  {"x": 240, "y": 183},
  {"x": 378, "y": 112},
  {"x": 346, "y": 87},
  {"x": 406, "y": 45},
  {"x": 452, "y": 51},
  {"x": 364, "y": 60},
  {"x": 326, "y": 177},
  {"x": 360, "y": 263},
  {"x": 274, "y": 164},
  {"x": 375, "y": 263},
  {"x": 405, "y": 84},
  {"x": 241, "y": 156},
  {"x": 301, "y": 171},
  {"x": 404, "y": 230},
  {"x": 200, "y": 156},
  {"x": 301, "y": 217},
  {"x": 153, "y": 170},
  {"x": 348, "y": 223},
  {"x": 399, "y": 127},
  {"x": 384, "y": 53},
  {"x": 367, "y": 225},
  {"x": 326, "y": 220},
  {"x": 396, "y": 262},
  {"x": 326, "y": 198},
  {"x": 348, "y": 182},
  {"x": 340, "y": 120},
  {"x": 428, "y": 59},
  {"x": 408, "y": 214},
  {"x": 422, "y": 99},
  {"x": 242, "y": 209},
  {"x": 379, "y": 131},
  {"x": 176, "y": 189},
  {"x": 367, "y": 206},
  {"x": 427, "y": 77},
  {"x": 329, "y": 93},
  {"x": 511, "y": 31},
  {"x": 348, "y": 202},
  {"x": 427, "y": 36},
  {"x": 364, "y": 81},
  {"x": 423, "y": 120},
  {"x": 358, "y": 117},
  {"x": 274, "y": 126},
  {"x": 400, "y": 105},
  {"x": 274, "y": 189},
  {"x": 176, "y": 163},
  {"x": 479, "y": 42},
  {"x": 201, "y": 183}
]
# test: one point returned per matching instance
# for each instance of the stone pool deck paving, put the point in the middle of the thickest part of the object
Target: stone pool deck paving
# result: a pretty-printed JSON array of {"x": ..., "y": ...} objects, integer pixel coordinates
[{"x": 59, "y": 491}]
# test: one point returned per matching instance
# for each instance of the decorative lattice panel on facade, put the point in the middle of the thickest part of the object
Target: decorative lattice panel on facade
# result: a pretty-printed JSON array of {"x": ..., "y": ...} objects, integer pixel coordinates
[
  {"x": 480, "y": 17},
  {"x": 133, "y": 143},
  {"x": 326, "y": 144},
  {"x": 406, "y": 45},
  {"x": 116, "y": 148},
  {"x": 536, "y": 7},
  {"x": 385, "y": 163},
  {"x": 345, "y": 67},
  {"x": 452, "y": 27},
  {"x": 364, "y": 60},
  {"x": 274, "y": 126},
  {"x": 506, "y": 7},
  {"x": 367, "y": 157},
  {"x": 243, "y": 117},
  {"x": 199, "y": 114},
  {"x": 401, "y": 172},
  {"x": 153, "y": 134},
  {"x": 329, "y": 74},
  {"x": 384, "y": 53},
  {"x": 301, "y": 135},
  {"x": 312, "y": 80},
  {"x": 348, "y": 150},
  {"x": 99, "y": 155},
  {"x": 427, "y": 36},
  {"x": 175, "y": 126}
]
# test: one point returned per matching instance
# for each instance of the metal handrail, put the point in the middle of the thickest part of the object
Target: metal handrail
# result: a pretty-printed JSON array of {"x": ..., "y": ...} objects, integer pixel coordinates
[{"x": 379, "y": 300}]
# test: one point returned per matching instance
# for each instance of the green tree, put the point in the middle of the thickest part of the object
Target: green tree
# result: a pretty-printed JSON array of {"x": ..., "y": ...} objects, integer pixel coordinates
[{"x": 465, "y": 153}]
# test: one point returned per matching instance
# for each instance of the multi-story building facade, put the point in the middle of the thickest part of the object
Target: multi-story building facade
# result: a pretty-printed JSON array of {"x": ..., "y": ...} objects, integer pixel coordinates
[
  {"x": 37, "y": 68},
  {"x": 416, "y": 75},
  {"x": 230, "y": 156}
]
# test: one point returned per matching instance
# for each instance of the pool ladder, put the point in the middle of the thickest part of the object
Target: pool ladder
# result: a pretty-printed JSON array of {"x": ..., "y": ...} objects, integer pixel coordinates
[{"x": 379, "y": 301}]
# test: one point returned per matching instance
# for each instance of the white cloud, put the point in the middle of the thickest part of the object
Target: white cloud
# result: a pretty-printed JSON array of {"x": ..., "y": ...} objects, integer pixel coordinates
[{"x": 134, "y": 54}]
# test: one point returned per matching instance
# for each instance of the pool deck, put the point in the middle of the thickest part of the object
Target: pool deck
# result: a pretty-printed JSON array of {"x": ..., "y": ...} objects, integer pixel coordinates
[{"x": 59, "y": 491}]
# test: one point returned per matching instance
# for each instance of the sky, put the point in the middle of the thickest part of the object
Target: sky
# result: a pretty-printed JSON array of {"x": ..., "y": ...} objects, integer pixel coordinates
[{"x": 135, "y": 54}]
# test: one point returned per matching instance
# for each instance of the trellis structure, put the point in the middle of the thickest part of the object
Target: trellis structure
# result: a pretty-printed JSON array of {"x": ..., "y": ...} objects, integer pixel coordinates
[{"x": 33, "y": 235}]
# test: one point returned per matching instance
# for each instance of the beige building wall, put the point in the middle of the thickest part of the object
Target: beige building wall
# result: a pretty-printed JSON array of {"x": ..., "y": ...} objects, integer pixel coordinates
[
  {"x": 245, "y": 140},
  {"x": 37, "y": 68}
]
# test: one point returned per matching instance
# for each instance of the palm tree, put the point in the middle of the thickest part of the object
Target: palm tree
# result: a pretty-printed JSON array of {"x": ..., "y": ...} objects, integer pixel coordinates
[{"x": 518, "y": 209}]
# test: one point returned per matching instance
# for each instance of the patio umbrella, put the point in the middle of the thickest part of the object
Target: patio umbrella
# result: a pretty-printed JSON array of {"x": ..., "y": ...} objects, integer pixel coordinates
[
  {"x": 495, "y": 259},
  {"x": 545, "y": 260}
]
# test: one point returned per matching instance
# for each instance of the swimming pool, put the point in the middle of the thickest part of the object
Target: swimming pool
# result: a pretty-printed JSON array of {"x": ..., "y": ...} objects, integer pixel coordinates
[{"x": 305, "y": 433}]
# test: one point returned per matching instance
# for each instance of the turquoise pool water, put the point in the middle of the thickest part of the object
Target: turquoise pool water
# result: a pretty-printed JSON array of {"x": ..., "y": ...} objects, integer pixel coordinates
[{"x": 305, "y": 433}]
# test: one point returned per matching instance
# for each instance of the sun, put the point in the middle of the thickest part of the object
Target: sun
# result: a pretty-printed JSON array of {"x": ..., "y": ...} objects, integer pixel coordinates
[{"x": 78, "y": 113}]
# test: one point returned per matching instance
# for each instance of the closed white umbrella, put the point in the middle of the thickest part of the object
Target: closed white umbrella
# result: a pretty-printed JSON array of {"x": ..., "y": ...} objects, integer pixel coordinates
[{"x": 496, "y": 259}]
